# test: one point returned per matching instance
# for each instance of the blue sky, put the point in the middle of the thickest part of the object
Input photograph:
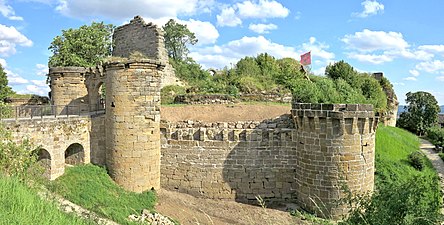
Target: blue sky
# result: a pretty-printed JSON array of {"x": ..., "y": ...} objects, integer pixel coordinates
[{"x": 403, "y": 39}]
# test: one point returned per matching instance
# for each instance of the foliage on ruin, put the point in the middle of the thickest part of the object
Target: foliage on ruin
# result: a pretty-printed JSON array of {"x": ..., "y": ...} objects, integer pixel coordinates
[
  {"x": 403, "y": 194},
  {"x": 5, "y": 90},
  {"x": 85, "y": 46},
  {"x": 421, "y": 112},
  {"x": 177, "y": 37},
  {"x": 101, "y": 195}
]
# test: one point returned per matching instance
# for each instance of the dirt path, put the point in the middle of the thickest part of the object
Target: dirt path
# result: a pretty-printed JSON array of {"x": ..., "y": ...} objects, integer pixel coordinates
[
  {"x": 428, "y": 149},
  {"x": 223, "y": 113},
  {"x": 190, "y": 210}
]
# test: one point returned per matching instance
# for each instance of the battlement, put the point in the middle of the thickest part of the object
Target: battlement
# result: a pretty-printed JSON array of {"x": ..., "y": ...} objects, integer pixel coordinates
[
  {"x": 69, "y": 71},
  {"x": 340, "y": 118}
]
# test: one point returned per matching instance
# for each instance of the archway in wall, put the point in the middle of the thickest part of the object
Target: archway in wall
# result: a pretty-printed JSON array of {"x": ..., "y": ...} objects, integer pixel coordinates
[
  {"x": 101, "y": 92},
  {"x": 44, "y": 160},
  {"x": 74, "y": 154}
]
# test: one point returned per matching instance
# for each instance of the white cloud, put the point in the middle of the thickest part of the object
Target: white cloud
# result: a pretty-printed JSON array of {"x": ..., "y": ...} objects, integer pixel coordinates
[
  {"x": 370, "y": 8},
  {"x": 370, "y": 58},
  {"x": 15, "y": 79},
  {"x": 410, "y": 78},
  {"x": 41, "y": 69},
  {"x": 228, "y": 18},
  {"x": 262, "y": 28},
  {"x": 398, "y": 83},
  {"x": 415, "y": 73},
  {"x": 34, "y": 89},
  {"x": 368, "y": 41},
  {"x": 118, "y": 9},
  {"x": 220, "y": 56},
  {"x": 205, "y": 32},
  {"x": 436, "y": 66},
  {"x": 10, "y": 38},
  {"x": 251, "y": 9},
  {"x": 39, "y": 83},
  {"x": 440, "y": 78},
  {"x": 8, "y": 12},
  {"x": 262, "y": 9}
]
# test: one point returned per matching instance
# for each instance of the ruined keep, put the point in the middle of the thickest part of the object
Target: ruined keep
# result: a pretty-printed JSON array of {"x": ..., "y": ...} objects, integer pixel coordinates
[{"x": 305, "y": 157}]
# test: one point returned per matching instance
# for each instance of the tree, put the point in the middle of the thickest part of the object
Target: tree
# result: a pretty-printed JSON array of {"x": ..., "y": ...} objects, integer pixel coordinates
[
  {"x": 85, "y": 46},
  {"x": 422, "y": 112},
  {"x": 343, "y": 70},
  {"x": 177, "y": 36},
  {"x": 5, "y": 90}
]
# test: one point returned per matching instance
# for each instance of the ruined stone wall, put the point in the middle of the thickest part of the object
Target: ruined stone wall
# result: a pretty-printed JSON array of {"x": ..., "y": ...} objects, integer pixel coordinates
[
  {"x": 336, "y": 147},
  {"x": 237, "y": 161},
  {"x": 98, "y": 140},
  {"x": 132, "y": 124},
  {"x": 68, "y": 89},
  {"x": 54, "y": 135},
  {"x": 145, "y": 38}
]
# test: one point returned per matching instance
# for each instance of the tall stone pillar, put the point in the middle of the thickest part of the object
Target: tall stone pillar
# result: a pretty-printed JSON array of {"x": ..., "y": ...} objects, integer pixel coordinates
[
  {"x": 133, "y": 123},
  {"x": 69, "y": 94}
]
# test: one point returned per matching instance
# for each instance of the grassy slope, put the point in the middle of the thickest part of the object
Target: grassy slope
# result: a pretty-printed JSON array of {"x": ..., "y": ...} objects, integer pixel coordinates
[
  {"x": 393, "y": 145},
  {"x": 21, "y": 205},
  {"x": 92, "y": 188}
]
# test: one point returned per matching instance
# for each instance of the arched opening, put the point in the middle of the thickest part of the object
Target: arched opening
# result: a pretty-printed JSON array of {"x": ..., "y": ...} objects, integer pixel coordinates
[
  {"x": 44, "y": 160},
  {"x": 101, "y": 94},
  {"x": 74, "y": 154}
]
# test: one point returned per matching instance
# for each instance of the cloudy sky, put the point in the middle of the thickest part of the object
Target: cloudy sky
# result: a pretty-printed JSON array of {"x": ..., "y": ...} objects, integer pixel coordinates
[{"x": 403, "y": 39}]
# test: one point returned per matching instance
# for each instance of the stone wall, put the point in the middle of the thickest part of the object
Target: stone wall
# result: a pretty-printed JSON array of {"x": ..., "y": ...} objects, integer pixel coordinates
[
  {"x": 98, "y": 140},
  {"x": 55, "y": 136},
  {"x": 145, "y": 38},
  {"x": 207, "y": 99},
  {"x": 237, "y": 161}
]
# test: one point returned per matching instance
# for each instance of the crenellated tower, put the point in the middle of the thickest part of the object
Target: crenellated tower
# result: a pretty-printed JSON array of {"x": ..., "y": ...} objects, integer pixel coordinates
[{"x": 335, "y": 153}]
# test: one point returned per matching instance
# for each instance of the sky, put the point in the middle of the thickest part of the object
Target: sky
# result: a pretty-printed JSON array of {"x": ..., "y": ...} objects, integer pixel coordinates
[{"x": 402, "y": 39}]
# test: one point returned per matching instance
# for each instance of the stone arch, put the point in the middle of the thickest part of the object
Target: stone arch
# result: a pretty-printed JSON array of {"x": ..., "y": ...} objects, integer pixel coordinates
[
  {"x": 44, "y": 160},
  {"x": 75, "y": 154}
]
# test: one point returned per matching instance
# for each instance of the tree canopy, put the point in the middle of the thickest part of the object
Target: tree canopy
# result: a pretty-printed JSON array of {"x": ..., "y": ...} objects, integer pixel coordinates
[
  {"x": 85, "y": 46},
  {"x": 422, "y": 112},
  {"x": 5, "y": 90},
  {"x": 177, "y": 37}
]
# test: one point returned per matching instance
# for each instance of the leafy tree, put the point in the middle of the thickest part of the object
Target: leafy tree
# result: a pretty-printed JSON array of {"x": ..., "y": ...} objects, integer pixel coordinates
[
  {"x": 290, "y": 69},
  {"x": 373, "y": 92},
  {"x": 5, "y": 90},
  {"x": 343, "y": 70},
  {"x": 85, "y": 46},
  {"x": 177, "y": 36},
  {"x": 422, "y": 112}
]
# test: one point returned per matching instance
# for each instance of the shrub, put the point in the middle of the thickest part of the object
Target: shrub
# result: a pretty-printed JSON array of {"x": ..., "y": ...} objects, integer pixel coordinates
[
  {"x": 168, "y": 93},
  {"x": 436, "y": 135},
  {"x": 416, "y": 159}
]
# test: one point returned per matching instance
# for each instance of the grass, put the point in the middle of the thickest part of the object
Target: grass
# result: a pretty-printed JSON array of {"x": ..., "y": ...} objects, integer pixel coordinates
[
  {"x": 92, "y": 188},
  {"x": 393, "y": 147},
  {"x": 441, "y": 155},
  {"x": 21, "y": 205}
]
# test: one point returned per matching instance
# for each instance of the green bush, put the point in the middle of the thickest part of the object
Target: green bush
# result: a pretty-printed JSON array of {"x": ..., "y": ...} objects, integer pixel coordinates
[
  {"x": 416, "y": 159},
  {"x": 168, "y": 93},
  {"x": 436, "y": 135}
]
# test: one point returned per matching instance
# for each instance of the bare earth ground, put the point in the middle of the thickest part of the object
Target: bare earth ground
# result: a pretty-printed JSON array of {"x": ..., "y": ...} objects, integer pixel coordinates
[
  {"x": 190, "y": 210},
  {"x": 223, "y": 113}
]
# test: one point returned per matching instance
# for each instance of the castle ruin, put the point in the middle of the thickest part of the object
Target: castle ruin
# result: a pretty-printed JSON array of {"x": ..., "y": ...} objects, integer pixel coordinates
[{"x": 306, "y": 157}]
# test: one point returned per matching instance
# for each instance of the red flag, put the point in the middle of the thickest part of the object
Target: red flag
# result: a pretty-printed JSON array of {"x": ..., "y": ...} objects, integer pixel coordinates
[{"x": 306, "y": 58}]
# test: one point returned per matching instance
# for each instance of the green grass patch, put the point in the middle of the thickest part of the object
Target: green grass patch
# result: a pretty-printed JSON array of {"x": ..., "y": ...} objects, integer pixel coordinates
[
  {"x": 21, "y": 205},
  {"x": 441, "y": 155},
  {"x": 403, "y": 194},
  {"x": 92, "y": 188}
]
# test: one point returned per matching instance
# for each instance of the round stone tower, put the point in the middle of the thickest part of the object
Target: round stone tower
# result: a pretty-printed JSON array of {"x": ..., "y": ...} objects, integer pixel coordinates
[
  {"x": 68, "y": 90},
  {"x": 133, "y": 123},
  {"x": 336, "y": 155}
]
